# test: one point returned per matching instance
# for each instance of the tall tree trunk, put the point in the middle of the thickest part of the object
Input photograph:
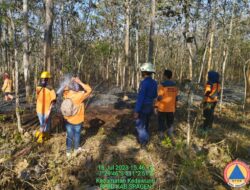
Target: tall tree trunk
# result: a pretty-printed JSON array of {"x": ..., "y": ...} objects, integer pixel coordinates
[
  {"x": 63, "y": 42},
  {"x": 26, "y": 49},
  {"x": 225, "y": 54},
  {"x": 190, "y": 51},
  {"x": 126, "y": 44},
  {"x": 211, "y": 47},
  {"x": 118, "y": 69},
  {"x": 203, "y": 63},
  {"x": 19, "y": 126},
  {"x": 4, "y": 41},
  {"x": 48, "y": 34},
  {"x": 137, "y": 66},
  {"x": 151, "y": 33},
  {"x": 212, "y": 32},
  {"x": 187, "y": 36}
]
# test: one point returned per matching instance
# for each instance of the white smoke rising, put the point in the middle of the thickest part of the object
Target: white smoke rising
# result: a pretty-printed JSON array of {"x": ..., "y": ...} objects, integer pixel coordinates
[{"x": 65, "y": 81}]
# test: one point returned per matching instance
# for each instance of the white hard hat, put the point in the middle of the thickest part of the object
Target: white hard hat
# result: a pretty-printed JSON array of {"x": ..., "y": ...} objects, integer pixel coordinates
[{"x": 147, "y": 67}]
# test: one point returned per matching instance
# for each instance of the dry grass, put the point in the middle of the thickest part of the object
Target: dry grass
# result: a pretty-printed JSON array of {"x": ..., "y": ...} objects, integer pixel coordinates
[{"x": 109, "y": 139}]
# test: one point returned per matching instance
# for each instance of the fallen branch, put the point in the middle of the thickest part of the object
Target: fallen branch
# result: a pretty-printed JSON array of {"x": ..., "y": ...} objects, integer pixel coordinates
[{"x": 23, "y": 152}]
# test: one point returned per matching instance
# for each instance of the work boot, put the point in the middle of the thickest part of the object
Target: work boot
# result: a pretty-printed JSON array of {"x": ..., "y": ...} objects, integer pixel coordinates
[
  {"x": 40, "y": 138},
  {"x": 68, "y": 155},
  {"x": 37, "y": 134}
]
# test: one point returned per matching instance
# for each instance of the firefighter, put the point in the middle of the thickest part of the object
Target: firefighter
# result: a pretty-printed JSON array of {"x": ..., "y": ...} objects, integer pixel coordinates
[
  {"x": 211, "y": 97},
  {"x": 46, "y": 97},
  {"x": 73, "y": 111},
  {"x": 144, "y": 103},
  {"x": 165, "y": 105},
  {"x": 7, "y": 87}
]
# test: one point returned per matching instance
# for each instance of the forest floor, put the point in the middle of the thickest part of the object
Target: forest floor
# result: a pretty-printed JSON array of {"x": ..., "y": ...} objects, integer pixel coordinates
[{"x": 109, "y": 138}]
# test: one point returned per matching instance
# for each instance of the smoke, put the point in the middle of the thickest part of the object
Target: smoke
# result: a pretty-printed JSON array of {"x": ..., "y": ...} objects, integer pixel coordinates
[{"x": 65, "y": 81}]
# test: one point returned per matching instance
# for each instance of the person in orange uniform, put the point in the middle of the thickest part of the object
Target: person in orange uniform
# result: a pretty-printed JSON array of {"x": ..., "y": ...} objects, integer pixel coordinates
[
  {"x": 75, "y": 122},
  {"x": 211, "y": 97},
  {"x": 7, "y": 87},
  {"x": 46, "y": 97},
  {"x": 166, "y": 104}
]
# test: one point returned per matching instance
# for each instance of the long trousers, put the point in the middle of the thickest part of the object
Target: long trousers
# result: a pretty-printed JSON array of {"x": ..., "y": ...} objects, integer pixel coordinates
[
  {"x": 165, "y": 122},
  {"x": 208, "y": 113}
]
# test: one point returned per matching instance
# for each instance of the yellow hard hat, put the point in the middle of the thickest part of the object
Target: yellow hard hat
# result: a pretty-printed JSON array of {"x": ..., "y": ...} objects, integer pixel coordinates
[{"x": 45, "y": 75}]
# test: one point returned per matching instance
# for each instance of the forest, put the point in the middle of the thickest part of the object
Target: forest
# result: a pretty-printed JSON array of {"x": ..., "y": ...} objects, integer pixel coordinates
[{"x": 102, "y": 45}]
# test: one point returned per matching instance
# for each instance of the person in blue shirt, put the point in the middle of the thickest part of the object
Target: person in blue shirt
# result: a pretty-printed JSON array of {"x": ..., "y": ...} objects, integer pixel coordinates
[{"x": 145, "y": 102}]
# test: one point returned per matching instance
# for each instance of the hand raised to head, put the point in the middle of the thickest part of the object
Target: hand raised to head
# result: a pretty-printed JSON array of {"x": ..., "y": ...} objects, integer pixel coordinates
[{"x": 76, "y": 79}]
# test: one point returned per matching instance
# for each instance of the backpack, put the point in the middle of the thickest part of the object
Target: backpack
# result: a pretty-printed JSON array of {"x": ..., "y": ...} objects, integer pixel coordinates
[{"x": 68, "y": 108}]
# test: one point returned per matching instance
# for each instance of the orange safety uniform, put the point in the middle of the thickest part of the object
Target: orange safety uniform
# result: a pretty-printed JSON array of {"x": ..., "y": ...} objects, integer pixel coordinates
[
  {"x": 212, "y": 92},
  {"x": 45, "y": 96},
  {"x": 167, "y": 94},
  {"x": 77, "y": 99},
  {"x": 7, "y": 86}
]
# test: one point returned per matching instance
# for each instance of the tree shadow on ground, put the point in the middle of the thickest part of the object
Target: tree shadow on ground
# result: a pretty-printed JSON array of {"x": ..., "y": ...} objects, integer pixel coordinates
[
  {"x": 91, "y": 129},
  {"x": 113, "y": 150}
]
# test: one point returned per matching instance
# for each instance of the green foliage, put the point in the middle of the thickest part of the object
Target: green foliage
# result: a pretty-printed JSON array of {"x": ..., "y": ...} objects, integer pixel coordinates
[
  {"x": 21, "y": 110},
  {"x": 102, "y": 47},
  {"x": 166, "y": 142},
  {"x": 194, "y": 171},
  {"x": 17, "y": 138},
  {"x": 195, "y": 163},
  {"x": 180, "y": 144},
  {"x": 3, "y": 118}
]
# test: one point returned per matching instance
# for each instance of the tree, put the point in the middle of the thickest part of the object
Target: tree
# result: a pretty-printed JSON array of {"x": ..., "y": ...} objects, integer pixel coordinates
[
  {"x": 26, "y": 49},
  {"x": 151, "y": 33},
  {"x": 14, "y": 40},
  {"x": 48, "y": 4},
  {"x": 226, "y": 52},
  {"x": 126, "y": 42},
  {"x": 188, "y": 37}
]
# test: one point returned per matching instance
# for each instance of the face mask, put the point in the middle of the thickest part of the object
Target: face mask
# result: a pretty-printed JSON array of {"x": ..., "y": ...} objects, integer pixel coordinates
[{"x": 44, "y": 83}]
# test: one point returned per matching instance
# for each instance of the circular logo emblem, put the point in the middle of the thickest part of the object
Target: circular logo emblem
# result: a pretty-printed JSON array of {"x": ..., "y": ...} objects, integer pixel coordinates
[{"x": 237, "y": 174}]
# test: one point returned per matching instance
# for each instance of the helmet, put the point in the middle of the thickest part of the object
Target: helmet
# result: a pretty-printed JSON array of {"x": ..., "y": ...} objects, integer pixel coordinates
[
  {"x": 5, "y": 75},
  {"x": 148, "y": 67},
  {"x": 45, "y": 75},
  {"x": 213, "y": 76}
]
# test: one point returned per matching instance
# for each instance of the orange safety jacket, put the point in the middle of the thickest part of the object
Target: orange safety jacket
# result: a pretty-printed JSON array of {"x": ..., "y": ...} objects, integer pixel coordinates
[
  {"x": 212, "y": 92},
  {"x": 77, "y": 98},
  {"x": 45, "y": 96},
  {"x": 167, "y": 97},
  {"x": 7, "y": 85}
]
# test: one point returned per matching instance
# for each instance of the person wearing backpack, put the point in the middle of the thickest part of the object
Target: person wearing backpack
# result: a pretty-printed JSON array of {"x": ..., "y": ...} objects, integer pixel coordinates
[
  {"x": 73, "y": 112},
  {"x": 144, "y": 103},
  {"x": 165, "y": 105},
  {"x": 7, "y": 87},
  {"x": 46, "y": 97},
  {"x": 211, "y": 97}
]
